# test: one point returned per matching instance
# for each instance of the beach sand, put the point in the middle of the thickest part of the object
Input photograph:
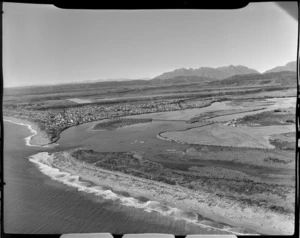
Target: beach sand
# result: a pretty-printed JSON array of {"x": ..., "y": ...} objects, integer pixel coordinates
[
  {"x": 220, "y": 210},
  {"x": 37, "y": 137}
]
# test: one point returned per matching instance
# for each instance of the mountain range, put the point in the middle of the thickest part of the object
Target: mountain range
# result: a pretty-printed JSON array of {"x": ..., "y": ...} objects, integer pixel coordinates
[
  {"x": 221, "y": 72},
  {"x": 227, "y": 75},
  {"x": 291, "y": 66},
  {"x": 214, "y": 73}
]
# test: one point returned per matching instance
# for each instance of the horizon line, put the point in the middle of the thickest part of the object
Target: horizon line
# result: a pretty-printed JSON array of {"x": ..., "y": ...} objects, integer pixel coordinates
[{"x": 142, "y": 78}]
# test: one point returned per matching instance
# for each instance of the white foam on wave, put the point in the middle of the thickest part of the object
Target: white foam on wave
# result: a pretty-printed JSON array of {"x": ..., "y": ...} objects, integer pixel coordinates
[
  {"x": 44, "y": 162},
  {"x": 33, "y": 133}
]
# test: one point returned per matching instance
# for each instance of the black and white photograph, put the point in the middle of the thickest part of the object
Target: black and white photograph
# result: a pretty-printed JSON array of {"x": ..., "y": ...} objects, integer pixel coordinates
[{"x": 176, "y": 121}]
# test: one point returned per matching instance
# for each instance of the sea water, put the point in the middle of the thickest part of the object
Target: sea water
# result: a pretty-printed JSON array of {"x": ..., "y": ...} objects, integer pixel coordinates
[
  {"x": 39, "y": 198},
  {"x": 43, "y": 161}
]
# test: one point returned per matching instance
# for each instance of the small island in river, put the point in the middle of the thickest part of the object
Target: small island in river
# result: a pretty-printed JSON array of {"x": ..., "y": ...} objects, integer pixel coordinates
[{"x": 121, "y": 122}]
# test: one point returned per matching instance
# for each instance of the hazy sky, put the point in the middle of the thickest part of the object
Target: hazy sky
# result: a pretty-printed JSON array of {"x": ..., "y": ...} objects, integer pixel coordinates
[{"x": 45, "y": 45}]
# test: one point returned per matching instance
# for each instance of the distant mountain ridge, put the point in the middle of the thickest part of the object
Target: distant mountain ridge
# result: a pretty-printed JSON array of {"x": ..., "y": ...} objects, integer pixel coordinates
[
  {"x": 185, "y": 76},
  {"x": 207, "y": 72},
  {"x": 291, "y": 66}
]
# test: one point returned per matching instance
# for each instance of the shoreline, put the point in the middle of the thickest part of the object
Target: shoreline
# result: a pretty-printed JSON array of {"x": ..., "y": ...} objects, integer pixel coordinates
[
  {"x": 37, "y": 137},
  {"x": 219, "y": 210}
]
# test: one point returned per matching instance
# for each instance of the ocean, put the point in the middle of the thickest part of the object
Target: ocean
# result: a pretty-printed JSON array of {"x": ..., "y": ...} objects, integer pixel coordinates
[{"x": 41, "y": 199}]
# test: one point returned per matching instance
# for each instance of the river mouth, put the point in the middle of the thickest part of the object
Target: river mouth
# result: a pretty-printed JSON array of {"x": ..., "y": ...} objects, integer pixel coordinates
[{"x": 143, "y": 139}]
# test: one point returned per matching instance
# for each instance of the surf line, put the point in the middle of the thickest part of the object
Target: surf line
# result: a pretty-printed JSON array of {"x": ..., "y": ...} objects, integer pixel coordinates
[
  {"x": 44, "y": 161},
  {"x": 28, "y": 139}
]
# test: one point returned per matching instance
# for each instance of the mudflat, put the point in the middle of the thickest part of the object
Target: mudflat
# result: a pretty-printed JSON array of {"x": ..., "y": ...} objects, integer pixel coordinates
[{"x": 223, "y": 135}]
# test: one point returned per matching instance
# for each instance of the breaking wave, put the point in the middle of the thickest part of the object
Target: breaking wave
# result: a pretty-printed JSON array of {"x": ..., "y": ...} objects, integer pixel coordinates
[
  {"x": 44, "y": 162},
  {"x": 33, "y": 133}
]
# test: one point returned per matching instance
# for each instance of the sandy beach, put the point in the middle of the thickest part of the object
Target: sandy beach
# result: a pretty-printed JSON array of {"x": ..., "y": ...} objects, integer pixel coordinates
[
  {"x": 37, "y": 137},
  {"x": 220, "y": 210}
]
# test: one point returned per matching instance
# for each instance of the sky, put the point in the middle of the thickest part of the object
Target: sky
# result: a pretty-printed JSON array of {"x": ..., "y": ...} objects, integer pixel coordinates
[{"x": 43, "y": 44}]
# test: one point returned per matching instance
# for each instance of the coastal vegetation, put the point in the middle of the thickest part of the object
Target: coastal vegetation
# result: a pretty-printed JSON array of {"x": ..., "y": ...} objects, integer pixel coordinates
[
  {"x": 236, "y": 185},
  {"x": 276, "y": 117}
]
